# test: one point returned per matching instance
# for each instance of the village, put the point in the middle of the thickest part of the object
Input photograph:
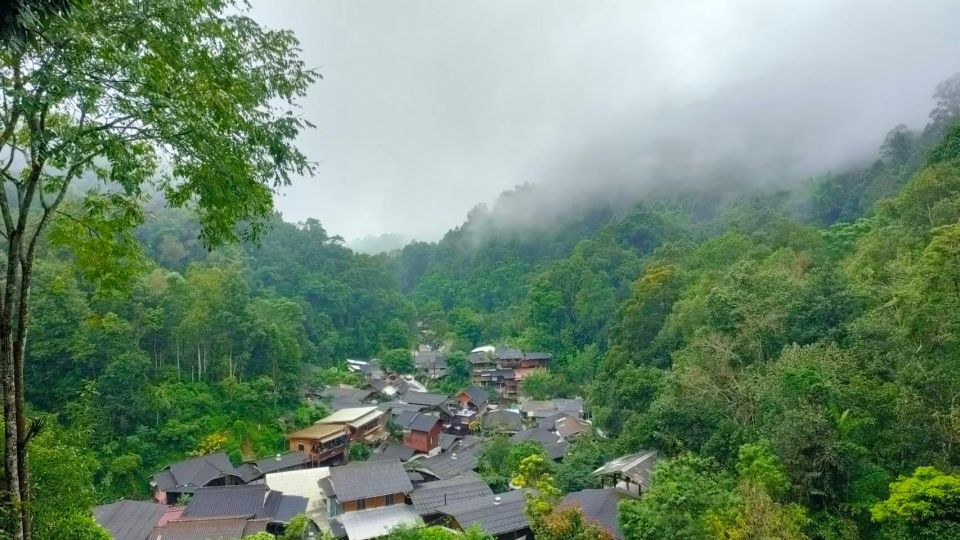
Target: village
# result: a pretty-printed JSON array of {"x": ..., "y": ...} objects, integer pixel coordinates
[{"x": 421, "y": 468}]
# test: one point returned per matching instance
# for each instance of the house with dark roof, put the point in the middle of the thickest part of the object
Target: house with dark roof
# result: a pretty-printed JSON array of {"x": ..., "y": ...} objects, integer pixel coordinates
[
  {"x": 503, "y": 516},
  {"x": 462, "y": 457},
  {"x": 433, "y": 364},
  {"x": 555, "y": 446},
  {"x": 129, "y": 520},
  {"x": 502, "y": 368},
  {"x": 254, "y": 471},
  {"x": 323, "y": 443},
  {"x": 467, "y": 406},
  {"x": 429, "y": 497},
  {"x": 220, "y": 510},
  {"x": 599, "y": 507},
  {"x": 186, "y": 477},
  {"x": 365, "y": 485},
  {"x": 392, "y": 452},
  {"x": 425, "y": 399},
  {"x": 421, "y": 432},
  {"x": 570, "y": 427}
]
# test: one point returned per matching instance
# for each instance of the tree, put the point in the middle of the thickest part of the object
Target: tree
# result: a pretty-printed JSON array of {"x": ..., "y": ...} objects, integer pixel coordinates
[
  {"x": 178, "y": 93},
  {"x": 397, "y": 360},
  {"x": 923, "y": 505}
]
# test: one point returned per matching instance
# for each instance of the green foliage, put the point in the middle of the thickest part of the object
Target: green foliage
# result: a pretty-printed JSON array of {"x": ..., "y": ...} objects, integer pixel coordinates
[
  {"x": 359, "y": 451},
  {"x": 403, "y": 532},
  {"x": 923, "y": 505},
  {"x": 397, "y": 360}
]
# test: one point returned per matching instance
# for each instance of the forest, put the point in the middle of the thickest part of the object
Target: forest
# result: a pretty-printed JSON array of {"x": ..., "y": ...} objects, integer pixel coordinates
[{"x": 792, "y": 353}]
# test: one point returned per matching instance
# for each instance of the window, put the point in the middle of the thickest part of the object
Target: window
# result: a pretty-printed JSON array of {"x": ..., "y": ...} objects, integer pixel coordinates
[
  {"x": 389, "y": 500},
  {"x": 300, "y": 447},
  {"x": 361, "y": 504}
]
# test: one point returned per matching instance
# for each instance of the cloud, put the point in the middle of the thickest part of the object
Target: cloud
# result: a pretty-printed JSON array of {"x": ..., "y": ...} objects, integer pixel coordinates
[{"x": 428, "y": 108}]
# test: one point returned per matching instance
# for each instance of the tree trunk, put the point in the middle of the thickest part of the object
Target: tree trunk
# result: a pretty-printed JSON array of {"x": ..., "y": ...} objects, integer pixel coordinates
[
  {"x": 11, "y": 436},
  {"x": 24, "y": 434}
]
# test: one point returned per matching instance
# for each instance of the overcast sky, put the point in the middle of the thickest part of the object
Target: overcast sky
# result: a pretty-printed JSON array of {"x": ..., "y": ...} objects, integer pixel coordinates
[{"x": 428, "y": 108}]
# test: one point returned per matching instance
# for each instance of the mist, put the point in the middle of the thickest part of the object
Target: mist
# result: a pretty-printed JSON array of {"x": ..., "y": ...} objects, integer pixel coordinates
[{"x": 428, "y": 108}]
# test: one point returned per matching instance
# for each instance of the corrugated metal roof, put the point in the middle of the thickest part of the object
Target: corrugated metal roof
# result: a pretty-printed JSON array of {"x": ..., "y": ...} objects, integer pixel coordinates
[
  {"x": 361, "y": 480},
  {"x": 494, "y": 516},
  {"x": 424, "y": 398},
  {"x": 302, "y": 483},
  {"x": 377, "y": 522},
  {"x": 638, "y": 467},
  {"x": 430, "y": 496},
  {"x": 449, "y": 464},
  {"x": 202, "y": 529},
  {"x": 345, "y": 416},
  {"x": 320, "y": 432},
  {"x": 129, "y": 520},
  {"x": 224, "y": 501},
  {"x": 184, "y": 476}
]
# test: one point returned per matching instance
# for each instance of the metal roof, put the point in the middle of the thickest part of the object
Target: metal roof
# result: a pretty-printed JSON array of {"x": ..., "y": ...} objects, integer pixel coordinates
[
  {"x": 366, "y": 524},
  {"x": 129, "y": 520},
  {"x": 320, "y": 432},
  {"x": 477, "y": 395},
  {"x": 349, "y": 416},
  {"x": 599, "y": 506},
  {"x": 423, "y": 398},
  {"x": 302, "y": 483},
  {"x": 223, "y": 501},
  {"x": 504, "y": 419},
  {"x": 339, "y": 393},
  {"x": 637, "y": 467},
  {"x": 449, "y": 464},
  {"x": 494, "y": 516},
  {"x": 393, "y": 452},
  {"x": 541, "y": 435},
  {"x": 430, "y": 496},
  {"x": 185, "y": 476},
  {"x": 508, "y": 353},
  {"x": 364, "y": 479},
  {"x": 569, "y": 426},
  {"x": 571, "y": 406},
  {"x": 206, "y": 529}
]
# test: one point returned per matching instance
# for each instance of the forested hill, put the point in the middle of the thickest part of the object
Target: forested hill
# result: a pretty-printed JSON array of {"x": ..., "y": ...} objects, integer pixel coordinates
[{"x": 815, "y": 328}]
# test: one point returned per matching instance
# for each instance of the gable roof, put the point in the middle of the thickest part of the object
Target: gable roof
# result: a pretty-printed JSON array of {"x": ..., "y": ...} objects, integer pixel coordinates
[
  {"x": 457, "y": 461},
  {"x": 428, "y": 497},
  {"x": 538, "y": 356},
  {"x": 541, "y": 435},
  {"x": 538, "y": 407},
  {"x": 508, "y": 353},
  {"x": 637, "y": 467},
  {"x": 423, "y": 398},
  {"x": 186, "y": 476},
  {"x": 223, "y": 501},
  {"x": 253, "y": 470},
  {"x": 423, "y": 422},
  {"x": 549, "y": 422},
  {"x": 354, "y": 416},
  {"x": 374, "y": 523},
  {"x": 337, "y": 393},
  {"x": 318, "y": 431},
  {"x": 573, "y": 407},
  {"x": 129, "y": 520},
  {"x": 494, "y": 516},
  {"x": 205, "y": 529},
  {"x": 476, "y": 394},
  {"x": 301, "y": 483},
  {"x": 393, "y": 452},
  {"x": 568, "y": 426},
  {"x": 599, "y": 506},
  {"x": 363, "y": 479}
]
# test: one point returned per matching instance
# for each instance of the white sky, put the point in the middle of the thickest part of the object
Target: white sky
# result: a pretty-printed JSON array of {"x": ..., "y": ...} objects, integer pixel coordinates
[{"x": 430, "y": 107}]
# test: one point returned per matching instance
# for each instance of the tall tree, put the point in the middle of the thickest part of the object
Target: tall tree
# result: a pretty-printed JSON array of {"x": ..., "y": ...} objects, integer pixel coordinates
[{"x": 191, "y": 97}]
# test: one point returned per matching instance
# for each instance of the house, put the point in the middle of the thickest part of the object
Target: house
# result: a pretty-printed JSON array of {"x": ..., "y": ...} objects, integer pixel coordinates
[
  {"x": 373, "y": 523},
  {"x": 424, "y": 399},
  {"x": 570, "y": 407},
  {"x": 431, "y": 363},
  {"x": 538, "y": 408},
  {"x": 503, "y": 516},
  {"x": 502, "y": 421},
  {"x": 129, "y": 520},
  {"x": 464, "y": 456},
  {"x": 363, "y": 424},
  {"x": 254, "y": 471},
  {"x": 345, "y": 397},
  {"x": 227, "y": 528},
  {"x": 187, "y": 476},
  {"x": 226, "y": 512},
  {"x": 302, "y": 483},
  {"x": 555, "y": 445},
  {"x": 636, "y": 468},
  {"x": 364, "y": 485},
  {"x": 429, "y": 497},
  {"x": 421, "y": 432},
  {"x": 503, "y": 368},
  {"x": 368, "y": 368},
  {"x": 599, "y": 506},
  {"x": 323, "y": 443},
  {"x": 569, "y": 427},
  {"x": 392, "y": 452},
  {"x": 468, "y": 405}
]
